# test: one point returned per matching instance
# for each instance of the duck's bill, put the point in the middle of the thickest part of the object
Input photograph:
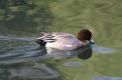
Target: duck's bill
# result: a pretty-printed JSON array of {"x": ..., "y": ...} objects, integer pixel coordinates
[{"x": 93, "y": 42}]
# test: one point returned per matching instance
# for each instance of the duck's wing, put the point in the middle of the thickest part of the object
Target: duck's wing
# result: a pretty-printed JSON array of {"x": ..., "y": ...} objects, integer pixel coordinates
[
  {"x": 53, "y": 37},
  {"x": 46, "y": 37}
]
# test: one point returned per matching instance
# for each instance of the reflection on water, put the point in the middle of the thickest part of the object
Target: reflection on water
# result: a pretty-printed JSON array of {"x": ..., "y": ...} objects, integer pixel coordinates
[
  {"x": 108, "y": 78},
  {"x": 73, "y": 64},
  {"x": 103, "y": 50},
  {"x": 18, "y": 58},
  {"x": 4, "y": 74},
  {"x": 8, "y": 38},
  {"x": 40, "y": 71}
]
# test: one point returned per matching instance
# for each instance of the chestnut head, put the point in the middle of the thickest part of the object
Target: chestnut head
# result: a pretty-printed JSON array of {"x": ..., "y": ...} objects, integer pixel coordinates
[{"x": 84, "y": 34}]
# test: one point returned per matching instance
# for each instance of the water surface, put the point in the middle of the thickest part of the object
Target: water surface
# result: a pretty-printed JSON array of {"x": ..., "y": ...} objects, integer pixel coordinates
[{"x": 21, "y": 21}]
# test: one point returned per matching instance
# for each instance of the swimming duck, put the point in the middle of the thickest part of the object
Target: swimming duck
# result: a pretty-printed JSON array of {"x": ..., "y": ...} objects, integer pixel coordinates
[{"x": 65, "y": 41}]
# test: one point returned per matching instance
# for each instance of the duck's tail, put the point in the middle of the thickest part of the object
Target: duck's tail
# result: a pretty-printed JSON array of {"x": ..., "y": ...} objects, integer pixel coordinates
[
  {"x": 45, "y": 38},
  {"x": 41, "y": 42}
]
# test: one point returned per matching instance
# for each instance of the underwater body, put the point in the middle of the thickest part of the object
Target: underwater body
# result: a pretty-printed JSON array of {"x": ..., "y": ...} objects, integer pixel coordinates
[{"x": 21, "y": 58}]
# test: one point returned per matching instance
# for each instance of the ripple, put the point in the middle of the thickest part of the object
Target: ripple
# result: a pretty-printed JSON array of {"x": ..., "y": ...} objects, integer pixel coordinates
[
  {"x": 7, "y": 38},
  {"x": 73, "y": 64},
  {"x": 108, "y": 78},
  {"x": 103, "y": 50},
  {"x": 40, "y": 71},
  {"x": 21, "y": 54}
]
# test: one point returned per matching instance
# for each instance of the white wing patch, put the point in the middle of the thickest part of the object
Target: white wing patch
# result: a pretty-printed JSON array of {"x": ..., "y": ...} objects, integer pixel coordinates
[{"x": 68, "y": 45}]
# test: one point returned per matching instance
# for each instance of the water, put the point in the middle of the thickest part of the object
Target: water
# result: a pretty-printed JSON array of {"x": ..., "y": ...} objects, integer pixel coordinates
[
  {"x": 21, "y": 21},
  {"x": 73, "y": 64},
  {"x": 108, "y": 78},
  {"x": 103, "y": 50},
  {"x": 19, "y": 61},
  {"x": 40, "y": 71}
]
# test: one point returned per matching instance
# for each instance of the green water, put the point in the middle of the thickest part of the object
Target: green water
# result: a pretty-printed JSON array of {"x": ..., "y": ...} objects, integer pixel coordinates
[{"x": 22, "y": 21}]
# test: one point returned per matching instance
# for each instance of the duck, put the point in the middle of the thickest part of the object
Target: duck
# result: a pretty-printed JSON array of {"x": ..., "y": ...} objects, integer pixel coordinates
[{"x": 65, "y": 41}]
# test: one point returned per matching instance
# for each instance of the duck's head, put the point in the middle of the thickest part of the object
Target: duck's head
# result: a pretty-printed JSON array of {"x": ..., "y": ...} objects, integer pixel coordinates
[{"x": 85, "y": 35}]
